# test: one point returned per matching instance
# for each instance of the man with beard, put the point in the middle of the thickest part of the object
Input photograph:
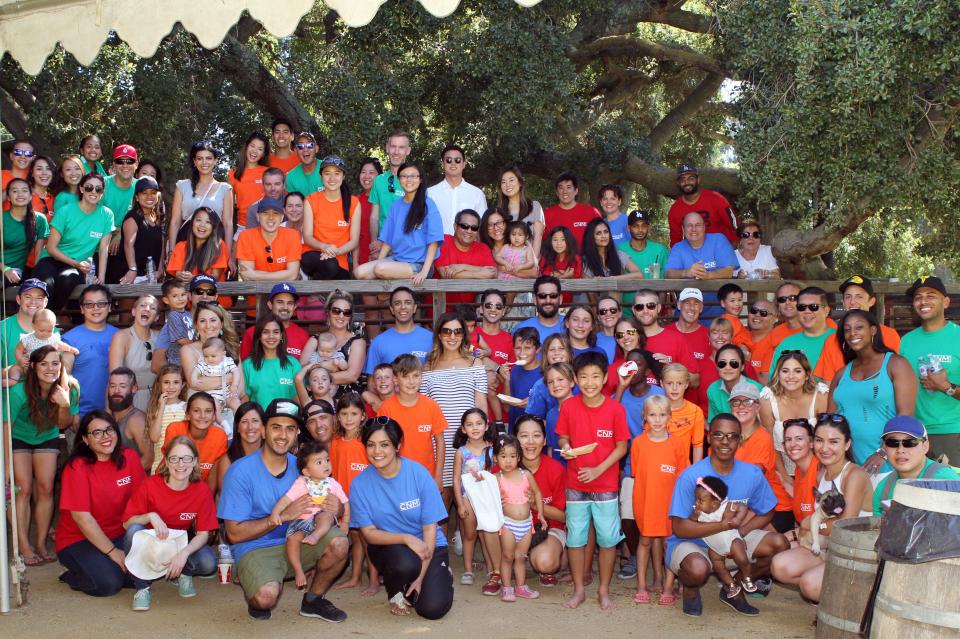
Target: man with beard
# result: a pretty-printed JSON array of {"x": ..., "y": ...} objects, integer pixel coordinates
[
  {"x": 283, "y": 304},
  {"x": 121, "y": 387},
  {"x": 386, "y": 186},
  {"x": 546, "y": 297},
  {"x": 716, "y": 211},
  {"x": 404, "y": 337},
  {"x": 251, "y": 487},
  {"x": 748, "y": 490},
  {"x": 642, "y": 252},
  {"x": 305, "y": 177},
  {"x": 666, "y": 346},
  {"x": 92, "y": 339},
  {"x": 758, "y": 338}
]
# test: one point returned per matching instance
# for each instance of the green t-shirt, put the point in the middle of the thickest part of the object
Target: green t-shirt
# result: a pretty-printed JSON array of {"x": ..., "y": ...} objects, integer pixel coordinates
[
  {"x": 11, "y": 330},
  {"x": 23, "y": 427},
  {"x": 810, "y": 346},
  {"x": 118, "y": 200},
  {"x": 944, "y": 473},
  {"x": 653, "y": 253},
  {"x": 306, "y": 183},
  {"x": 80, "y": 232},
  {"x": 63, "y": 199},
  {"x": 15, "y": 249},
  {"x": 96, "y": 167},
  {"x": 271, "y": 381},
  {"x": 939, "y": 412},
  {"x": 719, "y": 398},
  {"x": 381, "y": 194}
]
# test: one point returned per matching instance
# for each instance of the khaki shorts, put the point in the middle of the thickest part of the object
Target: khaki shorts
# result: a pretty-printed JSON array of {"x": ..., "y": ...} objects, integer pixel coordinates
[
  {"x": 626, "y": 498},
  {"x": 685, "y": 548},
  {"x": 265, "y": 565},
  {"x": 559, "y": 534}
]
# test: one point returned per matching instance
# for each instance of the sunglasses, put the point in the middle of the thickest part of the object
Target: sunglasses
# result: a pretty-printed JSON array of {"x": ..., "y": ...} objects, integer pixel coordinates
[
  {"x": 650, "y": 306},
  {"x": 89, "y": 188},
  {"x": 451, "y": 160},
  {"x": 304, "y": 145},
  {"x": 731, "y": 437},
  {"x": 607, "y": 311},
  {"x": 201, "y": 144},
  {"x": 269, "y": 250},
  {"x": 910, "y": 442},
  {"x": 492, "y": 306},
  {"x": 621, "y": 334},
  {"x": 756, "y": 310},
  {"x": 732, "y": 363},
  {"x": 93, "y": 305},
  {"x": 125, "y": 161},
  {"x": 447, "y": 332},
  {"x": 22, "y": 153},
  {"x": 783, "y": 299},
  {"x": 548, "y": 296},
  {"x": 149, "y": 347},
  {"x": 754, "y": 234},
  {"x": 205, "y": 291},
  {"x": 469, "y": 227},
  {"x": 813, "y": 307},
  {"x": 391, "y": 183},
  {"x": 346, "y": 312},
  {"x": 835, "y": 418}
]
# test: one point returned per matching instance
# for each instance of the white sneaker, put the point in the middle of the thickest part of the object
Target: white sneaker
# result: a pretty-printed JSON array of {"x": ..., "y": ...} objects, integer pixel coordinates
[
  {"x": 457, "y": 544},
  {"x": 224, "y": 556}
]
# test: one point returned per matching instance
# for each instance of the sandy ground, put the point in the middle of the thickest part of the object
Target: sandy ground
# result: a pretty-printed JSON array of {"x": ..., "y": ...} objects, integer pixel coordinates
[{"x": 53, "y": 611}]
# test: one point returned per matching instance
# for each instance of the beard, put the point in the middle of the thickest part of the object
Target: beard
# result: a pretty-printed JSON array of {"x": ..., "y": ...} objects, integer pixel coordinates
[
  {"x": 548, "y": 312},
  {"x": 121, "y": 404}
]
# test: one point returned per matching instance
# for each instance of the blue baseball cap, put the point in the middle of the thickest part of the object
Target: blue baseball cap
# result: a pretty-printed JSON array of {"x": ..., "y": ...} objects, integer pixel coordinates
[
  {"x": 269, "y": 204},
  {"x": 905, "y": 424},
  {"x": 33, "y": 282},
  {"x": 199, "y": 280},
  {"x": 284, "y": 287}
]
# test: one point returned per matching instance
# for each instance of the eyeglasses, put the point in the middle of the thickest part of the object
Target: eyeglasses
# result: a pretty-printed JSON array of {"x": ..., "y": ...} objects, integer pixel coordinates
[
  {"x": 92, "y": 305},
  {"x": 205, "y": 291},
  {"x": 447, "y": 332},
  {"x": 125, "y": 161},
  {"x": 730, "y": 437},
  {"x": 300, "y": 146},
  {"x": 89, "y": 188},
  {"x": 469, "y": 227},
  {"x": 813, "y": 307},
  {"x": 756, "y": 310},
  {"x": 646, "y": 305},
  {"x": 180, "y": 459},
  {"x": 453, "y": 160},
  {"x": 269, "y": 250},
  {"x": 754, "y": 234},
  {"x": 621, "y": 334},
  {"x": 548, "y": 296},
  {"x": 149, "y": 347},
  {"x": 732, "y": 363},
  {"x": 910, "y": 442},
  {"x": 409, "y": 176},
  {"x": 607, "y": 311},
  {"x": 496, "y": 225},
  {"x": 783, "y": 299},
  {"x": 101, "y": 433},
  {"x": 744, "y": 402},
  {"x": 23, "y": 153},
  {"x": 493, "y": 306},
  {"x": 336, "y": 310}
]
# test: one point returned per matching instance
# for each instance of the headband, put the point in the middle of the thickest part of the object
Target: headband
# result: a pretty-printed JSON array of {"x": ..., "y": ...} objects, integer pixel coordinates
[{"x": 703, "y": 485}]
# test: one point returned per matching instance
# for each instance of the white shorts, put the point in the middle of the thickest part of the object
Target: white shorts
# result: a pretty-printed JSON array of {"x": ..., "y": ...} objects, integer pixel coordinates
[
  {"x": 626, "y": 498},
  {"x": 560, "y": 534},
  {"x": 685, "y": 548}
]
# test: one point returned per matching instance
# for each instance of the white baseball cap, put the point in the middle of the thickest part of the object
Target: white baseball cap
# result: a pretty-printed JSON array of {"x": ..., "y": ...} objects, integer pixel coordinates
[{"x": 691, "y": 293}]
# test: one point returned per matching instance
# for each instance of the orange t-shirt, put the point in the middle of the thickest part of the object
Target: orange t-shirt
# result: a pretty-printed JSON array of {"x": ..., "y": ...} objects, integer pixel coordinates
[
  {"x": 761, "y": 351},
  {"x": 43, "y": 205},
  {"x": 758, "y": 450},
  {"x": 285, "y": 248},
  {"x": 211, "y": 448},
  {"x": 688, "y": 425},
  {"x": 248, "y": 189},
  {"x": 286, "y": 164},
  {"x": 5, "y": 176},
  {"x": 803, "y": 483},
  {"x": 420, "y": 423},
  {"x": 179, "y": 257},
  {"x": 656, "y": 466},
  {"x": 328, "y": 223},
  {"x": 348, "y": 457},
  {"x": 738, "y": 328}
]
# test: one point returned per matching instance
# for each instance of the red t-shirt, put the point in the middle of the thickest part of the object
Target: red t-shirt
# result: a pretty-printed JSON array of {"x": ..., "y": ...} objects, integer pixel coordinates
[
  {"x": 562, "y": 265},
  {"x": 478, "y": 254},
  {"x": 286, "y": 164},
  {"x": 191, "y": 508},
  {"x": 674, "y": 346},
  {"x": 575, "y": 219},
  {"x": 698, "y": 344},
  {"x": 365, "y": 209},
  {"x": 501, "y": 345},
  {"x": 606, "y": 425},
  {"x": 100, "y": 489},
  {"x": 718, "y": 216},
  {"x": 296, "y": 340},
  {"x": 551, "y": 477}
]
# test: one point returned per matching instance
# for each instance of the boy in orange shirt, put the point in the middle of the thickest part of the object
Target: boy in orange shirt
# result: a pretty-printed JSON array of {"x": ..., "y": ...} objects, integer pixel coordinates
[
  {"x": 731, "y": 301},
  {"x": 686, "y": 418},
  {"x": 419, "y": 416}
]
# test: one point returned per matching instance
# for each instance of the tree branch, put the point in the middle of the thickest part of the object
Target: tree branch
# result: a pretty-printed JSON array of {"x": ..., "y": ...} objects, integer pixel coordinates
[
  {"x": 661, "y": 180},
  {"x": 628, "y": 45},
  {"x": 15, "y": 120},
  {"x": 686, "y": 20},
  {"x": 688, "y": 107}
]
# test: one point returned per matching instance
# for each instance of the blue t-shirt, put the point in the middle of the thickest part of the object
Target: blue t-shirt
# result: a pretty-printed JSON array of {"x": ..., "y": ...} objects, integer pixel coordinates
[
  {"x": 389, "y": 344},
  {"x": 521, "y": 382},
  {"x": 745, "y": 484},
  {"x": 618, "y": 229},
  {"x": 90, "y": 367},
  {"x": 590, "y": 349},
  {"x": 411, "y": 247},
  {"x": 401, "y": 504},
  {"x": 545, "y": 331},
  {"x": 715, "y": 253},
  {"x": 250, "y": 492},
  {"x": 609, "y": 346},
  {"x": 634, "y": 407}
]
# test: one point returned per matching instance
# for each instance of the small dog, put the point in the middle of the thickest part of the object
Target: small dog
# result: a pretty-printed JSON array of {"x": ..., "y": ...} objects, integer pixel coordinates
[{"x": 830, "y": 504}]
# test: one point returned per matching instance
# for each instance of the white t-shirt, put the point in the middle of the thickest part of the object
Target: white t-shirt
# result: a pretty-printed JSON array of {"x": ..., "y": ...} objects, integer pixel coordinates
[
  {"x": 450, "y": 201},
  {"x": 764, "y": 260}
]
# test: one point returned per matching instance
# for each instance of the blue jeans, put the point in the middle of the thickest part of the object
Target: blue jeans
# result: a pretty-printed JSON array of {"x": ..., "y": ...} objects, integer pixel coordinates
[
  {"x": 202, "y": 563},
  {"x": 92, "y": 572}
]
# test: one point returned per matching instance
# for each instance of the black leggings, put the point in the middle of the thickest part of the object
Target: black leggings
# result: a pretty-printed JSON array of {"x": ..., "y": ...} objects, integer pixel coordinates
[
  {"x": 61, "y": 279},
  {"x": 400, "y": 567},
  {"x": 319, "y": 268}
]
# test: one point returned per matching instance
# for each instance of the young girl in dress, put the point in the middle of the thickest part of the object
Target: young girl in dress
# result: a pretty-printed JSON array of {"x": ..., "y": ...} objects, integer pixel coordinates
[
  {"x": 517, "y": 531},
  {"x": 314, "y": 382},
  {"x": 656, "y": 460},
  {"x": 474, "y": 443},
  {"x": 518, "y": 254},
  {"x": 167, "y": 405}
]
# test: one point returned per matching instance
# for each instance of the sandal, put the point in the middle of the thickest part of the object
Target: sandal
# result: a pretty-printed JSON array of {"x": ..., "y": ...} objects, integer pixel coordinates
[
  {"x": 667, "y": 599},
  {"x": 642, "y": 597},
  {"x": 399, "y": 606},
  {"x": 33, "y": 560}
]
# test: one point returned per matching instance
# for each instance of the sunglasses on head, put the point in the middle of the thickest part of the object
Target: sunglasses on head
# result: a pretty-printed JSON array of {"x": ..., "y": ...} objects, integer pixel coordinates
[
  {"x": 493, "y": 306},
  {"x": 469, "y": 227},
  {"x": 336, "y": 310},
  {"x": 783, "y": 299},
  {"x": 645, "y": 305},
  {"x": 732, "y": 363},
  {"x": 813, "y": 307},
  {"x": 910, "y": 442},
  {"x": 201, "y": 144},
  {"x": 754, "y": 234},
  {"x": 621, "y": 334},
  {"x": 90, "y": 188},
  {"x": 607, "y": 311},
  {"x": 834, "y": 418},
  {"x": 756, "y": 310}
]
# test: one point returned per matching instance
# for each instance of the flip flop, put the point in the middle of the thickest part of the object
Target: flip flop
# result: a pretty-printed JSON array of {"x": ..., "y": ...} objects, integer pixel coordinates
[
  {"x": 33, "y": 560},
  {"x": 667, "y": 599},
  {"x": 642, "y": 597}
]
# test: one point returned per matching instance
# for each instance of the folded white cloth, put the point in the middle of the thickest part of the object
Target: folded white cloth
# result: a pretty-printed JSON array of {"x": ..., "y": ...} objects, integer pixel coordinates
[{"x": 484, "y": 496}]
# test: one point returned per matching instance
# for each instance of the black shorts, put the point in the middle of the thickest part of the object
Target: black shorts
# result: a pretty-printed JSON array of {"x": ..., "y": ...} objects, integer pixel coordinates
[
  {"x": 51, "y": 445},
  {"x": 783, "y": 521}
]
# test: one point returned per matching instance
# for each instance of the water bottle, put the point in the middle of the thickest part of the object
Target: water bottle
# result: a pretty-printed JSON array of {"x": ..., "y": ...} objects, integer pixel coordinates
[
  {"x": 92, "y": 274},
  {"x": 923, "y": 366},
  {"x": 934, "y": 365},
  {"x": 151, "y": 270}
]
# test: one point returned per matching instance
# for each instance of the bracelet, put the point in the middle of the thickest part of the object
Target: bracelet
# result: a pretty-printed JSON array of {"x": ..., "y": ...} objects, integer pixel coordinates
[
  {"x": 112, "y": 548},
  {"x": 132, "y": 268}
]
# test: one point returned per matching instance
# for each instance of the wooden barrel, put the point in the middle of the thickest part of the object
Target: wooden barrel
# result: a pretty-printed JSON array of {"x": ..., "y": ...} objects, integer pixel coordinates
[
  {"x": 851, "y": 566},
  {"x": 919, "y": 601}
]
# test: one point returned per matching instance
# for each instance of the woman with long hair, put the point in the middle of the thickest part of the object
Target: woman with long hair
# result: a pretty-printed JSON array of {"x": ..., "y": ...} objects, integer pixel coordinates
[
  {"x": 149, "y": 168},
  {"x": 41, "y": 177},
  {"x": 24, "y": 232},
  {"x": 204, "y": 250},
  {"x": 370, "y": 168},
  {"x": 269, "y": 371},
  {"x": 601, "y": 258},
  {"x": 91, "y": 155},
  {"x": 514, "y": 204},
  {"x": 201, "y": 190},
  {"x": 143, "y": 235},
  {"x": 133, "y": 347},
  {"x": 628, "y": 335},
  {"x": 247, "y": 177},
  {"x": 66, "y": 187},
  {"x": 339, "y": 309},
  {"x": 411, "y": 235},
  {"x": 331, "y": 224},
  {"x": 248, "y": 424},
  {"x": 209, "y": 320}
]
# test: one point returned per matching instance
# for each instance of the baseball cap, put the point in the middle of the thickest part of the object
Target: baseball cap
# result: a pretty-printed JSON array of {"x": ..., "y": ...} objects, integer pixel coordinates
[
  {"x": 927, "y": 281},
  {"x": 906, "y": 424},
  {"x": 691, "y": 293},
  {"x": 857, "y": 280},
  {"x": 687, "y": 168},
  {"x": 334, "y": 160},
  {"x": 269, "y": 204},
  {"x": 746, "y": 390},
  {"x": 125, "y": 151},
  {"x": 33, "y": 282},
  {"x": 283, "y": 287},
  {"x": 284, "y": 408},
  {"x": 145, "y": 183},
  {"x": 199, "y": 280},
  {"x": 639, "y": 216},
  {"x": 318, "y": 406}
]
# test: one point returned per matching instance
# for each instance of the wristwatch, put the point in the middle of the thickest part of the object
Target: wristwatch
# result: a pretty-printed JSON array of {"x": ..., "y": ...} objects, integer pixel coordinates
[{"x": 952, "y": 391}]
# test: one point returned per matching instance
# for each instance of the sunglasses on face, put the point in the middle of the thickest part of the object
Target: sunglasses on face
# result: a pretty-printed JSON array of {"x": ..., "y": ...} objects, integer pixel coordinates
[
  {"x": 783, "y": 299},
  {"x": 124, "y": 161},
  {"x": 910, "y": 442},
  {"x": 89, "y": 188},
  {"x": 756, "y": 310},
  {"x": 747, "y": 234},
  {"x": 492, "y": 306},
  {"x": 23, "y": 153},
  {"x": 446, "y": 332},
  {"x": 607, "y": 311},
  {"x": 732, "y": 363},
  {"x": 650, "y": 306},
  {"x": 469, "y": 227},
  {"x": 731, "y": 437},
  {"x": 621, "y": 334},
  {"x": 302, "y": 146},
  {"x": 453, "y": 160},
  {"x": 205, "y": 291},
  {"x": 548, "y": 296},
  {"x": 813, "y": 307},
  {"x": 346, "y": 312}
]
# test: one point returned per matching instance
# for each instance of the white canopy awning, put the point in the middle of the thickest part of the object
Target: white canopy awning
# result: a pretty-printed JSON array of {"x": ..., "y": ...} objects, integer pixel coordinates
[{"x": 31, "y": 29}]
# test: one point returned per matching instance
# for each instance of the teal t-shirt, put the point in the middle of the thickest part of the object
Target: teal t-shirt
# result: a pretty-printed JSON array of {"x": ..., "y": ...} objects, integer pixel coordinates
[
  {"x": 15, "y": 249},
  {"x": 653, "y": 253},
  {"x": 384, "y": 192},
  {"x": 271, "y": 381},
  {"x": 306, "y": 183},
  {"x": 23, "y": 427},
  {"x": 117, "y": 199},
  {"x": 944, "y": 473},
  {"x": 97, "y": 167},
  {"x": 810, "y": 346},
  {"x": 80, "y": 232},
  {"x": 63, "y": 199},
  {"x": 719, "y": 398},
  {"x": 939, "y": 412}
]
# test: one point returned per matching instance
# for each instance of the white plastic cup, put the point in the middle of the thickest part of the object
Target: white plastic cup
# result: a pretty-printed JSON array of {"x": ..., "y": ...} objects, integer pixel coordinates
[{"x": 225, "y": 572}]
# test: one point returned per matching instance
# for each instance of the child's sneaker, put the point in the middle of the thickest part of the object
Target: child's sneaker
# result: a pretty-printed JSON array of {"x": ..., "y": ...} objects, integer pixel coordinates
[
  {"x": 525, "y": 593},
  {"x": 141, "y": 600},
  {"x": 185, "y": 586},
  {"x": 508, "y": 594},
  {"x": 492, "y": 587},
  {"x": 628, "y": 570},
  {"x": 224, "y": 556},
  {"x": 748, "y": 584},
  {"x": 466, "y": 579}
]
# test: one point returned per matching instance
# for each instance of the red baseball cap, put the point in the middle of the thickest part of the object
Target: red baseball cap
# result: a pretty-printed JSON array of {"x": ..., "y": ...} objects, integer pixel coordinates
[{"x": 125, "y": 151}]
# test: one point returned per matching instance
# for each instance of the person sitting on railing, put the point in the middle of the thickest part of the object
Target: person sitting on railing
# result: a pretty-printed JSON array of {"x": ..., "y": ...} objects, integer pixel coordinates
[
  {"x": 204, "y": 250},
  {"x": 756, "y": 259},
  {"x": 463, "y": 257},
  {"x": 602, "y": 259},
  {"x": 700, "y": 255},
  {"x": 331, "y": 224}
]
